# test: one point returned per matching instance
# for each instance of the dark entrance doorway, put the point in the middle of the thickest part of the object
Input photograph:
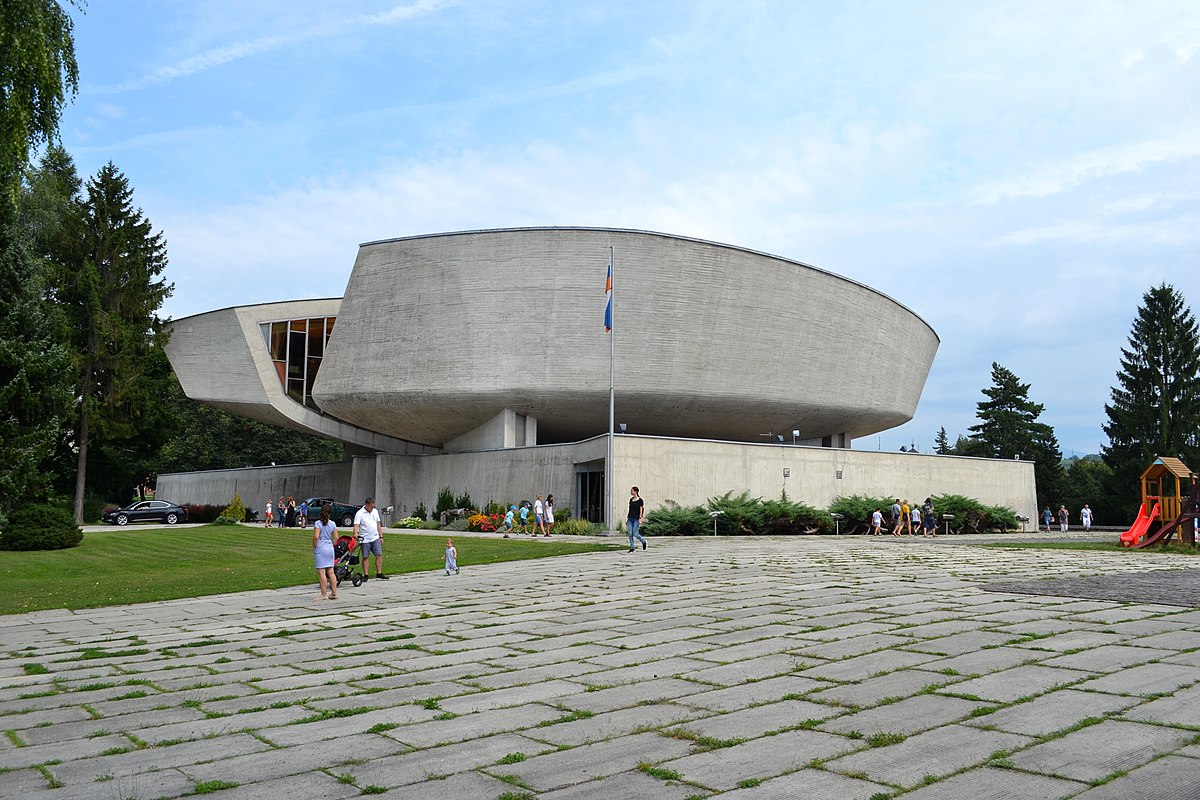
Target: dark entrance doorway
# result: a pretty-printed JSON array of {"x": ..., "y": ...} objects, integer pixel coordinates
[{"x": 589, "y": 491}]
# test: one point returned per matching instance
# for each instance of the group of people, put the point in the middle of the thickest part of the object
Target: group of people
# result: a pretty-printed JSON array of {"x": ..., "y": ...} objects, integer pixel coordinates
[
  {"x": 1064, "y": 517},
  {"x": 368, "y": 531},
  {"x": 286, "y": 514},
  {"x": 543, "y": 517},
  {"x": 907, "y": 519}
]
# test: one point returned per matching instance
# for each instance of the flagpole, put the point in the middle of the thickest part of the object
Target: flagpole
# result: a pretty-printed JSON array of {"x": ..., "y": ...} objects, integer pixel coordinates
[{"x": 612, "y": 393}]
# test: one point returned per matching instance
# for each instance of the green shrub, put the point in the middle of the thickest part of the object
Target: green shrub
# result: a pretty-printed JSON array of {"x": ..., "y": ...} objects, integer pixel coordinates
[
  {"x": 575, "y": 527},
  {"x": 236, "y": 510},
  {"x": 408, "y": 522},
  {"x": 93, "y": 507},
  {"x": 463, "y": 501},
  {"x": 445, "y": 500},
  {"x": 494, "y": 508},
  {"x": 673, "y": 519},
  {"x": 857, "y": 511},
  {"x": 224, "y": 520},
  {"x": 971, "y": 516},
  {"x": 786, "y": 517},
  {"x": 560, "y": 515},
  {"x": 40, "y": 527},
  {"x": 431, "y": 525},
  {"x": 420, "y": 513},
  {"x": 459, "y": 524}
]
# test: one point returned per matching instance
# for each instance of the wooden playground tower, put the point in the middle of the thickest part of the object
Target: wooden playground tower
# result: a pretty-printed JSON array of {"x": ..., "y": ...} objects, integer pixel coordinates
[{"x": 1170, "y": 502}]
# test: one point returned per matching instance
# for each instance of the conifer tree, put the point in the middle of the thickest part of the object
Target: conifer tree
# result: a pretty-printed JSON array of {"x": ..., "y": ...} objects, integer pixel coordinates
[
  {"x": 941, "y": 443},
  {"x": 112, "y": 293},
  {"x": 1155, "y": 408},
  {"x": 1009, "y": 428}
]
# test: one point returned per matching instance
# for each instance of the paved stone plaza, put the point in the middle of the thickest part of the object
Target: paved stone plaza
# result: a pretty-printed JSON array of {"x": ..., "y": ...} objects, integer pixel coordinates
[{"x": 750, "y": 668}]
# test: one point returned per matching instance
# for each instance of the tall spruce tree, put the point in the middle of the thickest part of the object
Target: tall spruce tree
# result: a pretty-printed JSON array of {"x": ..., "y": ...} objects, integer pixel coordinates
[
  {"x": 1009, "y": 428},
  {"x": 112, "y": 293},
  {"x": 1155, "y": 408}
]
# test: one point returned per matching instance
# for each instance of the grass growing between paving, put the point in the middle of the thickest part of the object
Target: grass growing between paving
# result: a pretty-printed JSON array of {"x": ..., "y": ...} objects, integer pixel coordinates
[
  {"x": 141, "y": 565},
  {"x": 1107, "y": 547}
]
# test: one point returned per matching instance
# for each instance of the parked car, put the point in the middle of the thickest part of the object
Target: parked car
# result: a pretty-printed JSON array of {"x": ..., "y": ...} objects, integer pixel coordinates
[
  {"x": 146, "y": 511},
  {"x": 341, "y": 513}
]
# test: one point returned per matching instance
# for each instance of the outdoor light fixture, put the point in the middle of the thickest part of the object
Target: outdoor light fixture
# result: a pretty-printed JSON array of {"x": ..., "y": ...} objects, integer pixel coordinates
[
  {"x": 946, "y": 518},
  {"x": 795, "y": 435},
  {"x": 621, "y": 427},
  {"x": 837, "y": 523},
  {"x": 714, "y": 515}
]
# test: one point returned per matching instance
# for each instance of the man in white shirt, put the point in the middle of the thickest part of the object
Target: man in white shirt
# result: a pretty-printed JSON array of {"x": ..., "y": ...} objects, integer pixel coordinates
[
  {"x": 370, "y": 539},
  {"x": 1086, "y": 517}
]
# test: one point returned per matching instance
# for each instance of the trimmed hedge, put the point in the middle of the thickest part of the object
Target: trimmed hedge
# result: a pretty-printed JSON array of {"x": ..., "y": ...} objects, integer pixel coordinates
[
  {"x": 752, "y": 516},
  {"x": 40, "y": 527}
]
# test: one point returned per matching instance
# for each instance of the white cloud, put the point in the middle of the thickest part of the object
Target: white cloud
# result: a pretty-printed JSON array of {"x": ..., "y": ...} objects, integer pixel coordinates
[
  {"x": 1088, "y": 166},
  {"x": 223, "y": 55}
]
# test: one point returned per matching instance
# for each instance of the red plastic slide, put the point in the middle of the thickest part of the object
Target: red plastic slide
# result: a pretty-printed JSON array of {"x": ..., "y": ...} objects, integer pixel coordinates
[{"x": 1140, "y": 525}]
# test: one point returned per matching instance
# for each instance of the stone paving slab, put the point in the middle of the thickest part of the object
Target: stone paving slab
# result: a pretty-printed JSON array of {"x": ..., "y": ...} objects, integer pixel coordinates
[
  {"x": 759, "y": 720},
  {"x": 810, "y": 784},
  {"x": 1169, "y": 778},
  {"x": 750, "y": 694},
  {"x": 760, "y": 758},
  {"x": 1013, "y": 684},
  {"x": 989, "y": 783},
  {"x": 909, "y": 716},
  {"x": 933, "y": 753},
  {"x": 1145, "y": 680},
  {"x": 1053, "y": 712},
  {"x": 591, "y": 761},
  {"x": 1098, "y": 751},
  {"x": 438, "y": 681}
]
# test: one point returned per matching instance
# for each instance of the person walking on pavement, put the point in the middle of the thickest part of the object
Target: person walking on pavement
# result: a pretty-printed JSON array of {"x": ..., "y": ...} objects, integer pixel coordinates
[{"x": 633, "y": 521}]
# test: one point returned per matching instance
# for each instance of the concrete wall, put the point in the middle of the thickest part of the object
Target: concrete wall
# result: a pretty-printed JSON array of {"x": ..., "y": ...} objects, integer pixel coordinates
[
  {"x": 437, "y": 335},
  {"x": 256, "y": 484},
  {"x": 494, "y": 475},
  {"x": 690, "y": 471},
  {"x": 686, "y": 471}
]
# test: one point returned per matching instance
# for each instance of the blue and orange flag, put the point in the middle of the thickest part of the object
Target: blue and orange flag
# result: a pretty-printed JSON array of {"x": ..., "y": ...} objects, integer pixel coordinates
[{"x": 608, "y": 300}]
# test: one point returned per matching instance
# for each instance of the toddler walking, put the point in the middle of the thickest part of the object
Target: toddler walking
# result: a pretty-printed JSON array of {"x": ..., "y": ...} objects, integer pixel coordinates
[{"x": 451, "y": 557}]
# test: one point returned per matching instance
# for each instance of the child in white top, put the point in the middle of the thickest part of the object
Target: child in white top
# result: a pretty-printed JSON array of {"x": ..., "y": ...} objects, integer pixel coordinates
[
  {"x": 877, "y": 522},
  {"x": 451, "y": 557}
]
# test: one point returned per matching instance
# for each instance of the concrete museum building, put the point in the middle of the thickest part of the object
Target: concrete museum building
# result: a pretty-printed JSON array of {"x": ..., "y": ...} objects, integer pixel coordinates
[{"x": 478, "y": 361}]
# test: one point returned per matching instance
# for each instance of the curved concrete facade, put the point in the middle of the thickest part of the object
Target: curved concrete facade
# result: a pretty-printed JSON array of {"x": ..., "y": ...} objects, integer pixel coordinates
[
  {"x": 440, "y": 335},
  {"x": 220, "y": 358}
]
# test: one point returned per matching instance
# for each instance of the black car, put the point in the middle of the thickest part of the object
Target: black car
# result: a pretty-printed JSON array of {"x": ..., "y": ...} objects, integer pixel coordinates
[{"x": 146, "y": 511}]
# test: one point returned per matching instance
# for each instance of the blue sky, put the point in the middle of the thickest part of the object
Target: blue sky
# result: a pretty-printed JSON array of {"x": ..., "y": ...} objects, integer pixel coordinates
[{"x": 1018, "y": 173}]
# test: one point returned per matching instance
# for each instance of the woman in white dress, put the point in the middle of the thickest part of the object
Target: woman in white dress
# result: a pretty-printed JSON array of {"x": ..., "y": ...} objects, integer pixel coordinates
[
  {"x": 549, "y": 513},
  {"x": 323, "y": 558}
]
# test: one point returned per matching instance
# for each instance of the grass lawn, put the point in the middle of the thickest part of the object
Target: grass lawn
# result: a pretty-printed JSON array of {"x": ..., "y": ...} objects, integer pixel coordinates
[
  {"x": 140, "y": 565},
  {"x": 1112, "y": 547}
]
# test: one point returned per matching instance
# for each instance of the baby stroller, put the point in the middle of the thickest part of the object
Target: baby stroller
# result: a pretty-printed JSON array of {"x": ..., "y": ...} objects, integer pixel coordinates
[{"x": 345, "y": 556}]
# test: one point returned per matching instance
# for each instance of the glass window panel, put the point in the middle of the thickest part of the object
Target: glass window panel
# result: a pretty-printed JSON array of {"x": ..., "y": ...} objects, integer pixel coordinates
[
  {"x": 279, "y": 341},
  {"x": 281, "y": 371},
  {"x": 295, "y": 390},
  {"x": 300, "y": 325},
  {"x": 316, "y": 338},
  {"x": 295, "y": 360}
]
